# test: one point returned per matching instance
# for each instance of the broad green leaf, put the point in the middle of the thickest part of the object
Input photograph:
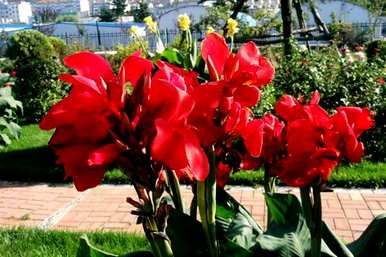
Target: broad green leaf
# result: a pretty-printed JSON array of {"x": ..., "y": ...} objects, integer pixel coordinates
[
  {"x": 278, "y": 207},
  {"x": 172, "y": 55},
  {"x": 186, "y": 236},
  {"x": 372, "y": 242},
  {"x": 5, "y": 138}
]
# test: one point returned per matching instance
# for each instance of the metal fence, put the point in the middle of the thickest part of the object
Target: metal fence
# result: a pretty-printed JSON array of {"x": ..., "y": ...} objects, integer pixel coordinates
[{"x": 107, "y": 41}]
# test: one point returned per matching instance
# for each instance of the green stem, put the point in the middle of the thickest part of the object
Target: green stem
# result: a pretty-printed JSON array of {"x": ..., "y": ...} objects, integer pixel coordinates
[
  {"x": 206, "y": 199},
  {"x": 268, "y": 190},
  {"x": 232, "y": 42},
  {"x": 160, "y": 246},
  {"x": 313, "y": 214},
  {"x": 316, "y": 240},
  {"x": 174, "y": 185}
]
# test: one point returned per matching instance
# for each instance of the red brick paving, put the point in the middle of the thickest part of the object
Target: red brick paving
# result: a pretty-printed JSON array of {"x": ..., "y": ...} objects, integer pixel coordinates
[{"x": 348, "y": 212}]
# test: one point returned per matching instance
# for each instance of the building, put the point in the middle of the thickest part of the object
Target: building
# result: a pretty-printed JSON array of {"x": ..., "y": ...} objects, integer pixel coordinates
[
  {"x": 82, "y": 7},
  {"x": 15, "y": 12}
]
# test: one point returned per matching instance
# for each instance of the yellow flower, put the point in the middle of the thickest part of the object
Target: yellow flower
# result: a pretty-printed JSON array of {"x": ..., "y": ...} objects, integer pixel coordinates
[
  {"x": 134, "y": 30},
  {"x": 210, "y": 29},
  {"x": 152, "y": 25},
  {"x": 183, "y": 22},
  {"x": 232, "y": 27}
]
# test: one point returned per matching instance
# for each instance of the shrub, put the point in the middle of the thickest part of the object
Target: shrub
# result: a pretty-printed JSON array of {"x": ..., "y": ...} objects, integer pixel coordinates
[
  {"x": 376, "y": 49},
  {"x": 8, "y": 111},
  {"x": 29, "y": 44},
  {"x": 6, "y": 65},
  {"x": 122, "y": 52},
  {"x": 60, "y": 48},
  {"x": 37, "y": 71}
]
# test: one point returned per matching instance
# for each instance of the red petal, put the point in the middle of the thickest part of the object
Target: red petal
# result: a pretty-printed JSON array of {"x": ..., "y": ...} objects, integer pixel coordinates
[
  {"x": 168, "y": 146},
  {"x": 214, "y": 45},
  {"x": 247, "y": 95},
  {"x": 132, "y": 68},
  {"x": 197, "y": 159},
  {"x": 253, "y": 137},
  {"x": 248, "y": 55},
  {"x": 104, "y": 155},
  {"x": 92, "y": 66}
]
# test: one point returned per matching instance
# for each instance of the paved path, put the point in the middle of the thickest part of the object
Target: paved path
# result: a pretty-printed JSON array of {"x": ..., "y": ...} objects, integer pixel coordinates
[{"x": 348, "y": 212}]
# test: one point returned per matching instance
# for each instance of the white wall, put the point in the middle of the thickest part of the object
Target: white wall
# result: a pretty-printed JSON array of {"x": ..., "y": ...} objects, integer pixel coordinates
[
  {"x": 25, "y": 12},
  {"x": 169, "y": 19},
  {"x": 344, "y": 11}
]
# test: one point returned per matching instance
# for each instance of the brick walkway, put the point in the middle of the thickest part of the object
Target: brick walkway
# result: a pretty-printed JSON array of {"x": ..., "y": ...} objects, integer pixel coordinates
[{"x": 348, "y": 212}]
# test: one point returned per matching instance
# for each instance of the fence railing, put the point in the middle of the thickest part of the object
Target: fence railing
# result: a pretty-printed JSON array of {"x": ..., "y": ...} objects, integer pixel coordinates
[{"x": 107, "y": 41}]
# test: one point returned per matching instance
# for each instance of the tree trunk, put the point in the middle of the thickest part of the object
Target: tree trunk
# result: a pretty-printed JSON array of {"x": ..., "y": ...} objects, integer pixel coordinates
[
  {"x": 286, "y": 15},
  {"x": 302, "y": 24},
  {"x": 317, "y": 18}
]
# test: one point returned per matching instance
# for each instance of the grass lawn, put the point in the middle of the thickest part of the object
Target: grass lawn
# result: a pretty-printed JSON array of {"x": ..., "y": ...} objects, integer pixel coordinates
[
  {"x": 29, "y": 159},
  {"x": 23, "y": 242}
]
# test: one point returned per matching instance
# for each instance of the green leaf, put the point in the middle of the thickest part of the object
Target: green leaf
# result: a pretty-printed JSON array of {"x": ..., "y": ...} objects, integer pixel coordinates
[
  {"x": 172, "y": 55},
  {"x": 5, "y": 138},
  {"x": 87, "y": 250},
  {"x": 278, "y": 206},
  {"x": 372, "y": 242},
  {"x": 186, "y": 235}
]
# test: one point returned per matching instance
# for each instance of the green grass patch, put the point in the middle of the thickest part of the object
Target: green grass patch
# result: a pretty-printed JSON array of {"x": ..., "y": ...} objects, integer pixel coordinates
[
  {"x": 30, "y": 160},
  {"x": 23, "y": 242}
]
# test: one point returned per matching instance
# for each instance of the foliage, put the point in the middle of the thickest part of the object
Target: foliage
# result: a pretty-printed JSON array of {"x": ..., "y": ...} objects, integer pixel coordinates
[
  {"x": 345, "y": 34},
  {"x": 60, "y": 47},
  {"x": 6, "y": 65},
  {"x": 122, "y": 52},
  {"x": 53, "y": 243},
  {"x": 9, "y": 107},
  {"x": 45, "y": 15},
  {"x": 37, "y": 71},
  {"x": 376, "y": 49},
  {"x": 141, "y": 12},
  {"x": 28, "y": 45},
  {"x": 119, "y": 7},
  {"x": 67, "y": 18},
  {"x": 106, "y": 15}
]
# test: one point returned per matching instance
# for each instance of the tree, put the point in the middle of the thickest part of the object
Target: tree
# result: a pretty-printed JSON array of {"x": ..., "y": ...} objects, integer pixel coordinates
[
  {"x": 141, "y": 12},
  {"x": 119, "y": 7},
  {"x": 106, "y": 15}
]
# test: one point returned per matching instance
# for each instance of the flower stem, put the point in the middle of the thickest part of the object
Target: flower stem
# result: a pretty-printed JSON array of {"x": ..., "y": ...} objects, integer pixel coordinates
[
  {"x": 175, "y": 188},
  {"x": 206, "y": 199},
  {"x": 316, "y": 240},
  {"x": 313, "y": 213}
]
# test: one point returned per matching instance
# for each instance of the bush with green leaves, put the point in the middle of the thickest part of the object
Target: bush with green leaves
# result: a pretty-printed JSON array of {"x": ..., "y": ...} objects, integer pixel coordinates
[
  {"x": 122, "y": 52},
  {"x": 376, "y": 49},
  {"x": 60, "y": 47},
  {"x": 37, "y": 68},
  {"x": 9, "y": 108}
]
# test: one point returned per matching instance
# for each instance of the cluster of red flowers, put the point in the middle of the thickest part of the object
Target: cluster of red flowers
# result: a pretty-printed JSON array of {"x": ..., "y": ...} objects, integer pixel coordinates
[
  {"x": 310, "y": 143},
  {"x": 168, "y": 121},
  {"x": 171, "y": 118}
]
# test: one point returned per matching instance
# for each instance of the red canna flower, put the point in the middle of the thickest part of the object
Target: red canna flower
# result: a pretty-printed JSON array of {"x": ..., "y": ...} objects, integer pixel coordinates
[
  {"x": 12, "y": 74},
  {"x": 314, "y": 142},
  {"x": 86, "y": 118}
]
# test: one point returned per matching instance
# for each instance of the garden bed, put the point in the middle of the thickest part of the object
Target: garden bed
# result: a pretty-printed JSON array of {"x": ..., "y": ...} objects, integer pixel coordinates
[{"x": 30, "y": 160}]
